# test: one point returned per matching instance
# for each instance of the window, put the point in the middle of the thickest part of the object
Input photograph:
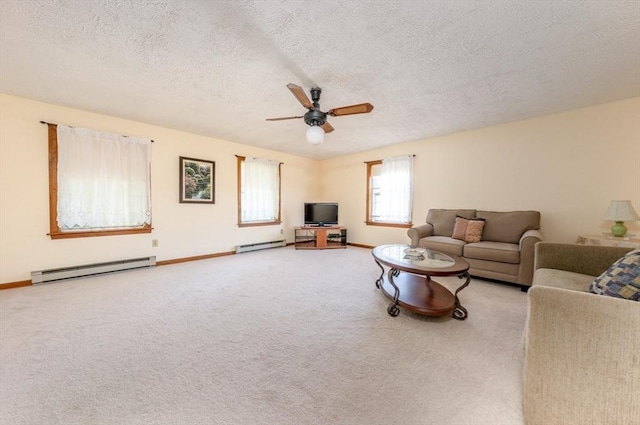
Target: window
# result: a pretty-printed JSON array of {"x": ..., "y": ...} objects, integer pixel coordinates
[
  {"x": 99, "y": 183},
  {"x": 258, "y": 192},
  {"x": 390, "y": 191}
]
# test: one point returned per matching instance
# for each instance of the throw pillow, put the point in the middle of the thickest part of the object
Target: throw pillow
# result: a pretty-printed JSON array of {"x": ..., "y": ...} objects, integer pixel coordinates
[
  {"x": 460, "y": 228},
  {"x": 621, "y": 280},
  {"x": 474, "y": 231},
  {"x": 468, "y": 230}
]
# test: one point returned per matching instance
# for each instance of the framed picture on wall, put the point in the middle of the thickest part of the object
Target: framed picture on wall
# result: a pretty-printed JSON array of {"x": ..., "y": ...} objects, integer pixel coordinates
[{"x": 197, "y": 181}]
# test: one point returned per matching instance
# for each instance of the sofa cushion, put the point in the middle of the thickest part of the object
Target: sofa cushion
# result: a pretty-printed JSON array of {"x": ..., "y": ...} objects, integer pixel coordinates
[
  {"x": 443, "y": 244},
  {"x": 493, "y": 251},
  {"x": 443, "y": 220},
  {"x": 508, "y": 226},
  {"x": 622, "y": 279},
  {"x": 562, "y": 279},
  {"x": 493, "y": 270}
]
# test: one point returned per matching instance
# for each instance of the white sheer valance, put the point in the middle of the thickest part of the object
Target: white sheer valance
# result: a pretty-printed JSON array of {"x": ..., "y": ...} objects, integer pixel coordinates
[
  {"x": 396, "y": 190},
  {"x": 260, "y": 190},
  {"x": 103, "y": 180}
]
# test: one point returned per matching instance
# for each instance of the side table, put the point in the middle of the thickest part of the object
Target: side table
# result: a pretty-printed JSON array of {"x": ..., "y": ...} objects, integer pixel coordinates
[{"x": 606, "y": 240}]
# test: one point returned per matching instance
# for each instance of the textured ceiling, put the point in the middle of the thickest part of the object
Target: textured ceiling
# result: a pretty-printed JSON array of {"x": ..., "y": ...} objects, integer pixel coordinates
[{"x": 219, "y": 68}]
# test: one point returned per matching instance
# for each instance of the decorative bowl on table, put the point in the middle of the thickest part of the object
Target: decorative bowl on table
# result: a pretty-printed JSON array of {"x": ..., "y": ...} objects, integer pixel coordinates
[{"x": 415, "y": 252}]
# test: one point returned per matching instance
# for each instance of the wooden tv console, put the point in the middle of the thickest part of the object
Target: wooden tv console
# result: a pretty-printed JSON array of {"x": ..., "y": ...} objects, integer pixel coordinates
[{"x": 312, "y": 237}]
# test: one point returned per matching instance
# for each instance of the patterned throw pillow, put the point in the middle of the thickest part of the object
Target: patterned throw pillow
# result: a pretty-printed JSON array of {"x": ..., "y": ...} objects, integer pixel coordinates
[
  {"x": 622, "y": 279},
  {"x": 468, "y": 230},
  {"x": 460, "y": 228},
  {"x": 474, "y": 231}
]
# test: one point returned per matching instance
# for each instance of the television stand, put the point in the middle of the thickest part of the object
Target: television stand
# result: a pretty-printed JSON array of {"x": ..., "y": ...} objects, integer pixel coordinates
[{"x": 320, "y": 237}]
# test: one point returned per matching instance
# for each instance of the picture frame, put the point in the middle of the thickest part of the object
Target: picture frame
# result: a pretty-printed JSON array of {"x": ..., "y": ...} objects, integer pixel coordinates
[{"x": 197, "y": 181}]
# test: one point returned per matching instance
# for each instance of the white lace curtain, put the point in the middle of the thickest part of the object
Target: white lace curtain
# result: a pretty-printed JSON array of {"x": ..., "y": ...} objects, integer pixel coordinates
[
  {"x": 103, "y": 180},
  {"x": 260, "y": 198},
  {"x": 396, "y": 189}
]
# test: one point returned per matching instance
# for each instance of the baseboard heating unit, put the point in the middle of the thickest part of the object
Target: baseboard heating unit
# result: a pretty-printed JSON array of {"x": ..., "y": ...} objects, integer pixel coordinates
[
  {"x": 50, "y": 275},
  {"x": 261, "y": 245}
]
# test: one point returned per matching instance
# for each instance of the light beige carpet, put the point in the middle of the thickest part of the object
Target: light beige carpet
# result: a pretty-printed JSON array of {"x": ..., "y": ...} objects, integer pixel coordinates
[{"x": 272, "y": 337}]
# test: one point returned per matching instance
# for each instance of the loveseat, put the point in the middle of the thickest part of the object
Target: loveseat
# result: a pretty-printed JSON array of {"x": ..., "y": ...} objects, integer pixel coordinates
[
  {"x": 506, "y": 248},
  {"x": 582, "y": 350}
]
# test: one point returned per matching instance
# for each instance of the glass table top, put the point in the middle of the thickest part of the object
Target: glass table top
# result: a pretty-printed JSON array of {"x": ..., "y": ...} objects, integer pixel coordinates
[{"x": 418, "y": 258}]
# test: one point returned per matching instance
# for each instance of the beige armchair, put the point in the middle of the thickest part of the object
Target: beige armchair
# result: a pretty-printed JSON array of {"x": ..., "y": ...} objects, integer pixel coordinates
[{"x": 582, "y": 350}]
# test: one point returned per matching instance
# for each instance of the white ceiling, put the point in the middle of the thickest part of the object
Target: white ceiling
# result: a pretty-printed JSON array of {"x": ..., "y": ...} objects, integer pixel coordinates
[{"x": 219, "y": 68}]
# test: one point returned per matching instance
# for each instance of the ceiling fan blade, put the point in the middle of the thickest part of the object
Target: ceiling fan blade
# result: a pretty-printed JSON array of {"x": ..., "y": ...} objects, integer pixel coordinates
[
  {"x": 328, "y": 128},
  {"x": 284, "y": 118},
  {"x": 361, "y": 108},
  {"x": 300, "y": 95}
]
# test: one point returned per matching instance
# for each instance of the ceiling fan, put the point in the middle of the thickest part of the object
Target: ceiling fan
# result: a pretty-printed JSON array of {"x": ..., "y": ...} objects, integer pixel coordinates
[{"x": 315, "y": 118}]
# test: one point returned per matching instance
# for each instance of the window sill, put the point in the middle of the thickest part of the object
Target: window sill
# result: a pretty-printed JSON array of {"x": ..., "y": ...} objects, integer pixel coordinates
[
  {"x": 260, "y": 223},
  {"x": 93, "y": 233},
  {"x": 383, "y": 224}
]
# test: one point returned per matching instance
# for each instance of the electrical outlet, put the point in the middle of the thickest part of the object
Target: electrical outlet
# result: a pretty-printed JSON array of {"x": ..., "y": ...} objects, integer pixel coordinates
[
  {"x": 154, "y": 243},
  {"x": 281, "y": 231}
]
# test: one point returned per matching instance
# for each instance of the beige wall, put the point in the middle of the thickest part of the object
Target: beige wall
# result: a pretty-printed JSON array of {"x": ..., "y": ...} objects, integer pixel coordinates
[
  {"x": 568, "y": 166},
  {"x": 182, "y": 230}
]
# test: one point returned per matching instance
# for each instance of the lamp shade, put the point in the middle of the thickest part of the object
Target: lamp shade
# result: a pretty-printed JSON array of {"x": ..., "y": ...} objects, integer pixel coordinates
[
  {"x": 621, "y": 211},
  {"x": 315, "y": 135}
]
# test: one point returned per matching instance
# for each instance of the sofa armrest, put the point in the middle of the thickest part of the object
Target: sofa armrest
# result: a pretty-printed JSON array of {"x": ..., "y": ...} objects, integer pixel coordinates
[
  {"x": 527, "y": 245},
  {"x": 581, "y": 358},
  {"x": 585, "y": 259},
  {"x": 419, "y": 232},
  {"x": 531, "y": 237}
]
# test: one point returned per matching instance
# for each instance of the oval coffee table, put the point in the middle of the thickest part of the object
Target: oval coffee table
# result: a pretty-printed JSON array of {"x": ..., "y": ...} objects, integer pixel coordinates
[{"x": 409, "y": 282}]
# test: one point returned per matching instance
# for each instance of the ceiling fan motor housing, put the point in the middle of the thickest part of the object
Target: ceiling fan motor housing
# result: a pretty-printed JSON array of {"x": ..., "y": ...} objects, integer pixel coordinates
[{"x": 315, "y": 117}]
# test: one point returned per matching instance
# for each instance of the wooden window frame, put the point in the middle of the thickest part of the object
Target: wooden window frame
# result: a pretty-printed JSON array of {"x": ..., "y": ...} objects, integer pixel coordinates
[
  {"x": 54, "y": 230},
  {"x": 278, "y": 220},
  {"x": 368, "y": 220}
]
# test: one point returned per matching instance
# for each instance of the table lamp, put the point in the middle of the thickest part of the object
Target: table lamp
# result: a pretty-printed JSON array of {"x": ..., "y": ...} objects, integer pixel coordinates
[{"x": 620, "y": 211}]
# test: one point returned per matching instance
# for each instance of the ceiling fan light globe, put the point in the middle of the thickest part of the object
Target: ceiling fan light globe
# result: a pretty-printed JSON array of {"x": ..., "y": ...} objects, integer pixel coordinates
[{"x": 315, "y": 135}]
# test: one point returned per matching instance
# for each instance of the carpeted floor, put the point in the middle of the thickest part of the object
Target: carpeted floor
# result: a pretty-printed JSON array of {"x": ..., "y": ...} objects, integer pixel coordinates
[{"x": 272, "y": 337}]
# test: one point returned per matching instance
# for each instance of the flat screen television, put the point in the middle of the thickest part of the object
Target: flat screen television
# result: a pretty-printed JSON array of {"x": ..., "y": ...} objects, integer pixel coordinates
[{"x": 321, "y": 213}]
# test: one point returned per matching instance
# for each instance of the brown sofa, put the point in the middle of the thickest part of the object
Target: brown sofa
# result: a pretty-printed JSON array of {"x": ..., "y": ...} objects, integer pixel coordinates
[{"x": 505, "y": 252}]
